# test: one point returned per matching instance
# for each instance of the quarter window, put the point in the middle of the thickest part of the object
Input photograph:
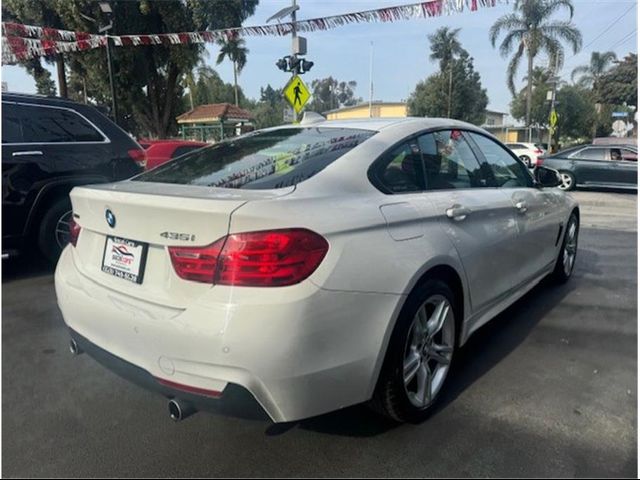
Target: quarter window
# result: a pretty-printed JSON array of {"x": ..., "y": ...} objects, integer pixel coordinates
[
  {"x": 449, "y": 162},
  {"x": 400, "y": 171},
  {"x": 507, "y": 171}
]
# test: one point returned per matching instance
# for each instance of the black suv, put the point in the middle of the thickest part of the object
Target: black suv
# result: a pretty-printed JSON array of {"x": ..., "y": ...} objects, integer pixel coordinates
[{"x": 50, "y": 145}]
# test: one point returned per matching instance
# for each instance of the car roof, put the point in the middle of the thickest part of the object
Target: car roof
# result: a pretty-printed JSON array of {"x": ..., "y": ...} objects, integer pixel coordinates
[
  {"x": 379, "y": 124},
  {"x": 38, "y": 99}
]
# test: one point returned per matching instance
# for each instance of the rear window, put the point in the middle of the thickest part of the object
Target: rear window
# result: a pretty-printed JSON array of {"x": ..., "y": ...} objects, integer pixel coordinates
[
  {"x": 261, "y": 160},
  {"x": 54, "y": 125}
]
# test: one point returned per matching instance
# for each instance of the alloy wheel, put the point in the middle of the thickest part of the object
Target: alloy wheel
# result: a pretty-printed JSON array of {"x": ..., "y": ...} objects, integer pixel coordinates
[
  {"x": 429, "y": 350},
  {"x": 570, "y": 248},
  {"x": 567, "y": 181},
  {"x": 62, "y": 229}
]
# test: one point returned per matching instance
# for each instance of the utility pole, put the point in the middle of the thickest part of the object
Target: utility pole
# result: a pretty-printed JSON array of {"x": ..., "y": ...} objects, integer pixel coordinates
[
  {"x": 105, "y": 7},
  {"x": 554, "y": 80},
  {"x": 371, "y": 82},
  {"x": 294, "y": 35}
]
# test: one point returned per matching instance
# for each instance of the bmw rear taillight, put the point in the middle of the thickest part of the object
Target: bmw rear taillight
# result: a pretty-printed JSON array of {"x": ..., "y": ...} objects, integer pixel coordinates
[
  {"x": 273, "y": 258},
  {"x": 537, "y": 151},
  {"x": 139, "y": 156},
  {"x": 74, "y": 231}
]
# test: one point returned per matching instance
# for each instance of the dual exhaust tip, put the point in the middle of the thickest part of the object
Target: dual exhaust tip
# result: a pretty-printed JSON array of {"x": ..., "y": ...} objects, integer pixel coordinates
[{"x": 178, "y": 409}]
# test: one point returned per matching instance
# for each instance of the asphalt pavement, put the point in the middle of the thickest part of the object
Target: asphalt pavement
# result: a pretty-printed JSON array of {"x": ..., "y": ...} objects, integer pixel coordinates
[{"x": 549, "y": 388}]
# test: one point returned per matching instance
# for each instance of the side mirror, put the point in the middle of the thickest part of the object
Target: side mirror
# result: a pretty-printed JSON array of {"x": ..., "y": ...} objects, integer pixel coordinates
[{"x": 547, "y": 177}]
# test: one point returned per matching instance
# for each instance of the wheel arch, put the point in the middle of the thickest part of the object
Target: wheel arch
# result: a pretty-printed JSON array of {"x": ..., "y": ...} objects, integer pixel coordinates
[
  {"x": 441, "y": 270},
  {"x": 50, "y": 193}
]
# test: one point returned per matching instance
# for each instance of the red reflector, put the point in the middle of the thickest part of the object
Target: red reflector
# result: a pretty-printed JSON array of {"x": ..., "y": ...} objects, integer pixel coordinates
[
  {"x": 189, "y": 389},
  {"x": 74, "y": 231},
  {"x": 539, "y": 161},
  {"x": 272, "y": 258},
  {"x": 139, "y": 156}
]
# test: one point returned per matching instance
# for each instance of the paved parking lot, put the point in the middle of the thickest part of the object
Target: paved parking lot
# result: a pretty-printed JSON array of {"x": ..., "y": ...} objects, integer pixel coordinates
[{"x": 547, "y": 389}]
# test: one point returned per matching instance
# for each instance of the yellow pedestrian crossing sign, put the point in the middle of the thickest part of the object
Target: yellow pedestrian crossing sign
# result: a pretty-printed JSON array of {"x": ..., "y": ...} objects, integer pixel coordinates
[
  {"x": 297, "y": 93},
  {"x": 553, "y": 119}
]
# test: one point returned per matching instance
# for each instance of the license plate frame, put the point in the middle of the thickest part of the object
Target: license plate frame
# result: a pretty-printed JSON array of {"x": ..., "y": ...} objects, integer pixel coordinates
[{"x": 125, "y": 258}]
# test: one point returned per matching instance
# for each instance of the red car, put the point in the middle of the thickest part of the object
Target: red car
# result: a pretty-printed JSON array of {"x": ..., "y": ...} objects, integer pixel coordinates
[{"x": 161, "y": 151}]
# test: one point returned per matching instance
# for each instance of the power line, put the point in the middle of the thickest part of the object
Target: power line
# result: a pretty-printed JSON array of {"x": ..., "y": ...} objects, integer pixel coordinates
[
  {"x": 623, "y": 40},
  {"x": 610, "y": 26}
]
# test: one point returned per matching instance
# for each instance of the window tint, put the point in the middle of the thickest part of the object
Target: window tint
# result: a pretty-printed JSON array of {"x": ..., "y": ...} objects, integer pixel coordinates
[
  {"x": 629, "y": 155},
  {"x": 507, "y": 171},
  {"x": 262, "y": 160},
  {"x": 184, "y": 149},
  {"x": 592, "y": 154},
  {"x": 11, "y": 127},
  {"x": 449, "y": 162},
  {"x": 52, "y": 125},
  {"x": 399, "y": 170}
]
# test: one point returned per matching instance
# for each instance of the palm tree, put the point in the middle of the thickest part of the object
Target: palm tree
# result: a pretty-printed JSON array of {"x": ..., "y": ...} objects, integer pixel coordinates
[
  {"x": 233, "y": 48},
  {"x": 445, "y": 46},
  {"x": 592, "y": 73},
  {"x": 531, "y": 31}
]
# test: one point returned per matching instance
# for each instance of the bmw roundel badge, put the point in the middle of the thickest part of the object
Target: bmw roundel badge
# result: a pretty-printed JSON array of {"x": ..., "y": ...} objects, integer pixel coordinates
[{"x": 111, "y": 218}]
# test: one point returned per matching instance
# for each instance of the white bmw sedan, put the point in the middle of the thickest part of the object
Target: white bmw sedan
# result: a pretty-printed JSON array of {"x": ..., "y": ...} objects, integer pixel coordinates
[{"x": 311, "y": 267}]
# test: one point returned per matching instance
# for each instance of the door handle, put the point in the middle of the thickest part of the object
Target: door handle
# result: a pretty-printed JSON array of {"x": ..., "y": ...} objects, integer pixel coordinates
[
  {"x": 522, "y": 207},
  {"x": 457, "y": 212},
  {"x": 30, "y": 152}
]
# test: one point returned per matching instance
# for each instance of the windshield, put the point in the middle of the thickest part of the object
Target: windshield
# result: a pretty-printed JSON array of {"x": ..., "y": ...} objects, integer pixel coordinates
[{"x": 262, "y": 160}]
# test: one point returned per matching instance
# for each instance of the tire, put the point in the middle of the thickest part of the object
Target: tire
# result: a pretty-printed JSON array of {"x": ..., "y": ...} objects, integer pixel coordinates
[
  {"x": 51, "y": 234},
  {"x": 568, "y": 181},
  {"x": 421, "y": 358},
  {"x": 526, "y": 160},
  {"x": 567, "y": 256}
]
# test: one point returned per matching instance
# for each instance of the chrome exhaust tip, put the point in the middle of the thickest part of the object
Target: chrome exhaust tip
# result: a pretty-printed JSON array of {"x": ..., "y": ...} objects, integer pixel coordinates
[
  {"x": 179, "y": 410},
  {"x": 74, "y": 348}
]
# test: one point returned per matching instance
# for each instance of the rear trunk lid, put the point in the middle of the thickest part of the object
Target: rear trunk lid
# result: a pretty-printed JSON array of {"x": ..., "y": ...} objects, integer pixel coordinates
[{"x": 137, "y": 221}]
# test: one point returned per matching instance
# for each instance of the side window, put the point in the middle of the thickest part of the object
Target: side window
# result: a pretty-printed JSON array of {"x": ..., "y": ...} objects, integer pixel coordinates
[
  {"x": 399, "y": 170},
  {"x": 507, "y": 171},
  {"x": 449, "y": 162},
  {"x": 591, "y": 154},
  {"x": 52, "y": 125},
  {"x": 629, "y": 155},
  {"x": 11, "y": 126}
]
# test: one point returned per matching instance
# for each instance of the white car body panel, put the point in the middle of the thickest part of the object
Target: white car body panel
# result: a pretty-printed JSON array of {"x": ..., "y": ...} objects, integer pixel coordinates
[{"x": 316, "y": 346}]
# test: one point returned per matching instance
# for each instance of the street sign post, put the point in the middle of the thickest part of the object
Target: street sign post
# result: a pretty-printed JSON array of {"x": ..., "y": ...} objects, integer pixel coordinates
[{"x": 296, "y": 93}]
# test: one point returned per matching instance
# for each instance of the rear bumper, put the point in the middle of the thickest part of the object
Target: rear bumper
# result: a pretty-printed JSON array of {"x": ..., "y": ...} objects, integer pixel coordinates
[
  {"x": 300, "y": 352},
  {"x": 236, "y": 401}
]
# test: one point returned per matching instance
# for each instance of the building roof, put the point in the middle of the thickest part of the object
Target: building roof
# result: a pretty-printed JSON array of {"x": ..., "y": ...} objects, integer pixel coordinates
[
  {"x": 495, "y": 112},
  {"x": 214, "y": 113},
  {"x": 366, "y": 104}
]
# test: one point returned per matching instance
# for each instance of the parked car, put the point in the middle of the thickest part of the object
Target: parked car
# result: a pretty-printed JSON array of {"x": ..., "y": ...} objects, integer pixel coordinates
[
  {"x": 313, "y": 266},
  {"x": 49, "y": 146},
  {"x": 602, "y": 166},
  {"x": 161, "y": 151},
  {"x": 527, "y": 152}
]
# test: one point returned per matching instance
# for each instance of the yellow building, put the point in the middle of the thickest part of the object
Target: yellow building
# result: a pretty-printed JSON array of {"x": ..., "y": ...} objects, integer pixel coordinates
[{"x": 378, "y": 110}]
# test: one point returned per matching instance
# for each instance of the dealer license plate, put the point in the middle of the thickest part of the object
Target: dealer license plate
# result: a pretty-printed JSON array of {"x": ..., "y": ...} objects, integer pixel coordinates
[{"x": 125, "y": 258}]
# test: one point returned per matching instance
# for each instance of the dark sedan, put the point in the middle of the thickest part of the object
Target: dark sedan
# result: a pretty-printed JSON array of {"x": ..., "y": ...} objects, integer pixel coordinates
[{"x": 601, "y": 166}]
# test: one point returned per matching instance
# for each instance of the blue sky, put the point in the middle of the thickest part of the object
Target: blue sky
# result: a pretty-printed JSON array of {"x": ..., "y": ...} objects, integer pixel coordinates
[{"x": 401, "y": 49}]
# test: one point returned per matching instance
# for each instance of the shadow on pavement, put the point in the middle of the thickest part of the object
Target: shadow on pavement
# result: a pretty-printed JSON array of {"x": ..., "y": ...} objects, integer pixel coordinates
[
  {"x": 26, "y": 265},
  {"x": 486, "y": 348}
]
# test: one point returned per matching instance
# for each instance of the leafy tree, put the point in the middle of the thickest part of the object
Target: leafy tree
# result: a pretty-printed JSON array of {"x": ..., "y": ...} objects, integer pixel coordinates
[
  {"x": 45, "y": 13},
  {"x": 591, "y": 74},
  {"x": 329, "y": 93},
  {"x": 574, "y": 106},
  {"x": 210, "y": 88},
  {"x": 149, "y": 79},
  {"x": 620, "y": 85},
  {"x": 234, "y": 49},
  {"x": 468, "y": 102},
  {"x": 530, "y": 30},
  {"x": 446, "y": 47},
  {"x": 269, "y": 110}
]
